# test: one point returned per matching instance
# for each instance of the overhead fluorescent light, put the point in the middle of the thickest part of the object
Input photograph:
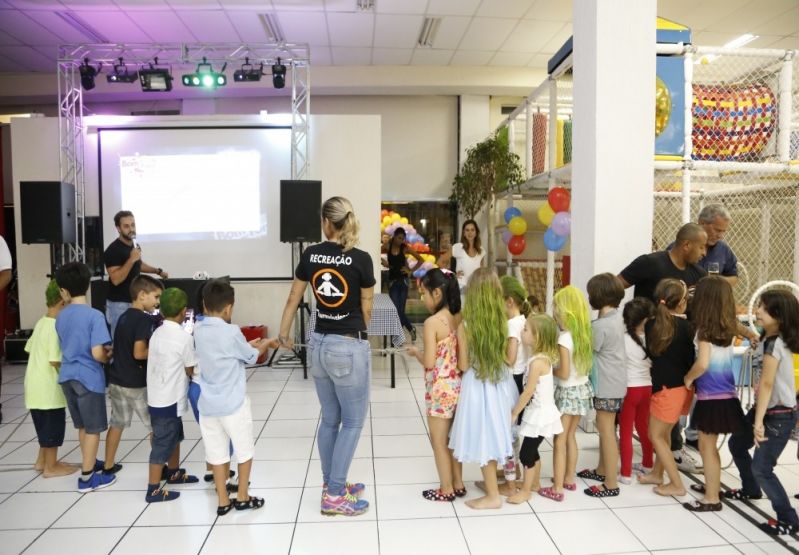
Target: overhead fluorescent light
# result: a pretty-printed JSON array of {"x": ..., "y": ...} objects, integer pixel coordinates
[
  {"x": 737, "y": 42},
  {"x": 272, "y": 27},
  {"x": 365, "y": 5},
  {"x": 82, "y": 27},
  {"x": 428, "y": 33}
]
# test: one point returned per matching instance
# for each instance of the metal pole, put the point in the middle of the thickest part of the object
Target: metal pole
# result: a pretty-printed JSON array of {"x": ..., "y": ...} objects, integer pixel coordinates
[
  {"x": 785, "y": 108},
  {"x": 688, "y": 65},
  {"x": 553, "y": 148}
]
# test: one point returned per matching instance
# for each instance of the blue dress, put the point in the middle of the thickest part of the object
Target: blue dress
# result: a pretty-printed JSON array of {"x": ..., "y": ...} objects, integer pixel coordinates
[{"x": 481, "y": 431}]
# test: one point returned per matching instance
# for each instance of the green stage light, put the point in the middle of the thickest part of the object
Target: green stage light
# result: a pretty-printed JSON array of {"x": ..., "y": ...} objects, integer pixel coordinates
[{"x": 205, "y": 77}]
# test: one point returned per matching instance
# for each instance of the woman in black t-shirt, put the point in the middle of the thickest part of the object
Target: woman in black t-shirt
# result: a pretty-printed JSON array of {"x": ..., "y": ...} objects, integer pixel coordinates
[
  {"x": 342, "y": 278},
  {"x": 398, "y": 272}
]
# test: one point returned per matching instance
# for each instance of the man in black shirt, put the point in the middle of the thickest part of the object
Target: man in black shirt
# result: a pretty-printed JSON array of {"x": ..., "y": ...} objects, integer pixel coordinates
[{"x": 123, "y": 263}]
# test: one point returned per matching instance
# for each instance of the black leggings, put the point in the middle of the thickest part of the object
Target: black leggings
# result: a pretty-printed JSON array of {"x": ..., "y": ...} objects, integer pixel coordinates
[{"x": 528, "y": 455}]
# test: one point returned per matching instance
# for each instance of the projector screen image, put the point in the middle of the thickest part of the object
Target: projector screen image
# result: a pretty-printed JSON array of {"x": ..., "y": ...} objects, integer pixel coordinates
[{"x": 204, "y": 199}]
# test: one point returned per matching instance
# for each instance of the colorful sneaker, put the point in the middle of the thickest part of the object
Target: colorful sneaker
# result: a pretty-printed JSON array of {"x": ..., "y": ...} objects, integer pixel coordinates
[
  {"x": 355, "y": 489},
  {"x": 98, "y": 480},
  {"x": 156, "y": 495},
  {"x": 346, "y": 505}
]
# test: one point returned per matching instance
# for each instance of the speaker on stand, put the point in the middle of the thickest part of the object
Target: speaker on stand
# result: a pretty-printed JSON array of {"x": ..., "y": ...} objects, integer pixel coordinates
[{"x": 47, "y": 213}]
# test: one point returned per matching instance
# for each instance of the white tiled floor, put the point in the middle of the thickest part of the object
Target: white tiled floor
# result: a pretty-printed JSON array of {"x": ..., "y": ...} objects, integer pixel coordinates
[{"x": 393, "y": 458}]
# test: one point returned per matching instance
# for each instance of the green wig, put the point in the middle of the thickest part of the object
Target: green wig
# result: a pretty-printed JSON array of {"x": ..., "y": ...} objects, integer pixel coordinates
[
  {"x": 512, "y": 289},
  {"x": 173, "y": 300},
  {"x": 545, "y": 333},
  {"x": 52, "y": 294},
  {"x": 571, "y": 311},
  {"x": 486, "y": 325}
]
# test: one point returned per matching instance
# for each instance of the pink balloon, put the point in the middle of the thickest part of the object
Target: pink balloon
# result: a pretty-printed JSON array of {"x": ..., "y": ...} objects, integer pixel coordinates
[{"x": 562, "y": 224}]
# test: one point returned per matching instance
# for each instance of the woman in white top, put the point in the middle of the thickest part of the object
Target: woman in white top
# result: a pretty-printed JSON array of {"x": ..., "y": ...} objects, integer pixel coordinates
[{"x": 468, "y": 254}]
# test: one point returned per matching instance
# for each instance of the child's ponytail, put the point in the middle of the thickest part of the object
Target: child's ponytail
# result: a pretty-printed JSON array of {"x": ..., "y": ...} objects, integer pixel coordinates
[
  {"x": 636, "y": 311},
  {"x": 513, "y": 289},
  {"x": 669, "y": 293},
  {"x": 447, "y": 283}
]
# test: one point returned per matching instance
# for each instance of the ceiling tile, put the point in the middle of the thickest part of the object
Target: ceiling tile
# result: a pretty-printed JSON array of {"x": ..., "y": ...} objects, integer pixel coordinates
[
  {"x": 299, "y": 5},
  {"x": 554, "y": 44},
  {"x": 397, "y": 31},
  {"x": 709, "y": 38},
  {"x": 162, "y": 26},
  {"x": 30, "y": 58},
  {"x": 116, "y": 26},
  {"x": 36, "y": 4},
  {"x": 764, "y": 41},
  {"x": 25, "y": 29},
  {"x": 470, "y": 58},
  {"x": 320, "y": 56},
  {"x": 539, "y": 61},
  {"x": 348, "y": 56},
  {"x": 7, "y": 65},
  {"x": 452, "y": 7},
  {"x": 209, "y": 25},
  {"x": 748, "y": 17},
  {"x": 249, "y": 5},
  {"x": 431, "y": 57},
  {"x": 401, "y": 6},
  {"x": 8, "y": 40},
  {"x": 194, "y": 4},
  {"x": 391, "y": 56},
  {"x": 511, "y": 59},
  {"x": 450, "y": 32},
  {"x": 554, "y": 10},
  {"x": 487, "y": 33},
  {"x": 248, "y": 25},
  {"x": 64, "y": 30},
  {"x": 346, "y": 6},
  {"x": 785, "y": 24},
  {"x": 88, "y": 5},
  {"x": 788, "y": 43},
  {"x": 697, "y": 15},
  {"x": 350, "y": 29},
  {"x": 125, "y": 5},
  {"x": 304, "y": 27},
  {"x": 531, "y": 36},
  {"x": 506, "y": 8}
]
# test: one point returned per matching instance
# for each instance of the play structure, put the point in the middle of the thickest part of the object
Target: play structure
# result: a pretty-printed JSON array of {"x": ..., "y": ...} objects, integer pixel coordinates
[{"x": 726, "y": 132}]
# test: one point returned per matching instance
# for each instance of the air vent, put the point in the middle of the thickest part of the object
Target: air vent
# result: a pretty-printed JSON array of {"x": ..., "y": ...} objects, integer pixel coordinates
[
  {"x": 428, "y": 32},
  {"x": 272, "y": 28},
  {"x": 365, "y": 5}
]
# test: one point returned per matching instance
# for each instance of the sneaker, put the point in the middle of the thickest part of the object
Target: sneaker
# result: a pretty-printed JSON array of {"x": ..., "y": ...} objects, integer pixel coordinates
[
  {"x": 687, "y": 463},
  {"x": 626, "y": 480},
  {"x": 779, "y": 528},
  {"x": 355, "y": 489},
  {"x": 160, "y": 494},
  {"x": 639, "y": 468},
  {"x": 346, "y": 505},
  {"x": 693, "y": 444},
  {"x": 97, "y": 480}
]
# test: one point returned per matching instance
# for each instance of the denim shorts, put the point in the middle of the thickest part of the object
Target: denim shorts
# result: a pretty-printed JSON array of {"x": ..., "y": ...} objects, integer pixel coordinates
[
  {"x": 50, "y": 425},
  {"x": 87, "y": 408},
  {"x": 167, "y": 434}
]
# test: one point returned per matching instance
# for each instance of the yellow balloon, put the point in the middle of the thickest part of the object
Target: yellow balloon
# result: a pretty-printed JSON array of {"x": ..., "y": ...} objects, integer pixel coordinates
[
  {"x": 545, "y": 214},
  {"x": 517, "y": 225},
  {"x": 395, "y": 217},
  {"x": 386, "y": 220},
  {"x": 662, "y": 106},
  {"x": 404, "y": 220}
]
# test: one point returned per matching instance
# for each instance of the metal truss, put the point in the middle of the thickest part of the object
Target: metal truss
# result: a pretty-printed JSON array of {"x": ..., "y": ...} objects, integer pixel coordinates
[{"x": 70, "y": 99}]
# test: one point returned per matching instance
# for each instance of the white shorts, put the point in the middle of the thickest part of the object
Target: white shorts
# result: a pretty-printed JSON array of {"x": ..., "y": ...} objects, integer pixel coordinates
[{"x": 219, "y": 431}]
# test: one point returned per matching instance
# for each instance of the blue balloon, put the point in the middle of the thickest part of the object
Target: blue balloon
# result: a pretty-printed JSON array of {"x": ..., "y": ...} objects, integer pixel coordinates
[
  {"x": 419, "y": 273},
  {"x": 552, "y": 241},
  {"x": 511, "y": 212},
  {"x": 411, "y": 238}
]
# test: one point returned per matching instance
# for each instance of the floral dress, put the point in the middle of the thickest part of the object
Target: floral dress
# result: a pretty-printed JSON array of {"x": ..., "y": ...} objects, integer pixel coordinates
[{"x": 443, "y": 380}]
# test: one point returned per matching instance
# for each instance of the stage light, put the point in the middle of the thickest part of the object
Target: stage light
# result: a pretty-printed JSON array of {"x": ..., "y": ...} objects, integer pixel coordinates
[
  {"x": 155, "y": 79},
  {"x": 278, "y": 75},
  {"x": 121, "y": 74},
  {"x": 205, "y": 76},
  {"x": 87, "y": 74},
  {"x": 248, "y": 72}
]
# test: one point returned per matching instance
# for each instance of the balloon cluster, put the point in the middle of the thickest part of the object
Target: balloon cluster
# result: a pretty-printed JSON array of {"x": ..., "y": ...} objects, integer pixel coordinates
[
  {"x": 555, "y": 215},
  {"x": 389, "y": 223},
  {"x": 513, "y": 237}
]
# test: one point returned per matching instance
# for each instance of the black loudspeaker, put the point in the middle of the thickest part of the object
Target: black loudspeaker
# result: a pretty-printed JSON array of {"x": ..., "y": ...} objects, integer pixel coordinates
[
  {"x": 300, "y": 211},
  {"x": 47, "y": 209}
]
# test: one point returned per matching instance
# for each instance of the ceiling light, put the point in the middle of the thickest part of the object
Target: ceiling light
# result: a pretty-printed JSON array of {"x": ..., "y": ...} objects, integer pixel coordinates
[
  {"x": 428, "y": 33},
  {"x": 737, "y": 42},
  {"x": 121, "y": 74},
  {"x": 87, "y": 74},
  {"x": 205, "y": 76},
  {"x": 272, "y": 27},
  {"x": 364, "y": 5},
  {"x": 155, "y": 79},
  {"x": 278, "y": 75},
  {"x": 248, "y": 72}
]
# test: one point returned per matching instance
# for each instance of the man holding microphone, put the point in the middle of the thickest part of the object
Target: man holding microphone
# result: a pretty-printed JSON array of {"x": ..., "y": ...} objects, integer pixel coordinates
[{"x": 123, "y": 263}]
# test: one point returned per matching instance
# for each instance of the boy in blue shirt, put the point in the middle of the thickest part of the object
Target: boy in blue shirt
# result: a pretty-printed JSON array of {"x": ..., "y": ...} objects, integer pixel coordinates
[
  {"x": 225, "y": 414},
  {"x": 85, "y": 346}
]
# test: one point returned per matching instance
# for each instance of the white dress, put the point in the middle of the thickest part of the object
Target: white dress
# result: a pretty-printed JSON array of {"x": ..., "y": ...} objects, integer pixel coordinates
[{"x": 541, "y": 417}]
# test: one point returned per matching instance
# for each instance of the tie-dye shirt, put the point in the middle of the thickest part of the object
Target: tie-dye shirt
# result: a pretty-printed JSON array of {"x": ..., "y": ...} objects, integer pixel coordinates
[{"x": 718, "y": 381}]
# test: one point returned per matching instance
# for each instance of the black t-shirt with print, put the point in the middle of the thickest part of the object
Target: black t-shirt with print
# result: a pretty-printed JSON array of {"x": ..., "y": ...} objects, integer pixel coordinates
[
  {"x": 336, "y": 278},
  {"x": 670, "y": 367},
  {"x": 646, "y": 271},
  {"x": 117, "y": 254},
  {"x": 127, "y": 371}
]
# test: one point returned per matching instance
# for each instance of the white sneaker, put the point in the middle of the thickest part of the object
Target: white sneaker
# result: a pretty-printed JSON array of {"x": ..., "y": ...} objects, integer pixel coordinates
[
  {"x": 626, "y": 480},
  {"x": 687, "y": 463},
  {"x": 639, "y": 468}
]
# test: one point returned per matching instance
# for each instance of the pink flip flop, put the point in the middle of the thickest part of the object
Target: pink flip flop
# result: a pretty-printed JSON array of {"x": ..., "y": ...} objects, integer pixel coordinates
[
  {"x": 570, "y": 487},
  {"x": 549, "y": 493}
]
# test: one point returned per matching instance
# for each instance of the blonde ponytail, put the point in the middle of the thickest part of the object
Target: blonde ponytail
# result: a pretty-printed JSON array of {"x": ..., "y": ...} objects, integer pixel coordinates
[{"x": 338, "y": 211}]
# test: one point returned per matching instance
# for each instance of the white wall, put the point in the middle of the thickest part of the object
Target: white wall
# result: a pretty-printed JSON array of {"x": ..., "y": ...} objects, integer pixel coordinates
[{"x": 345, "y": 155}]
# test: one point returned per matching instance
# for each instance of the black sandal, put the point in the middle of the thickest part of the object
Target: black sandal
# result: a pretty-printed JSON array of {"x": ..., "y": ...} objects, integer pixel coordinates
[
  {"x": 460, "y": 492},
  {"x": 589, "y": 474},
  {"x": 222, "y": 511},
  {"x": 698, "y": 488},
  {"x": 251, "y": 503},
  {"x": 601, "y": 491},
  {"x": 699, "y": 507},
  {"x": 438, "y": 495},
  {"x": 739, "y": 495},
  {"x": 778, "y": 528}
]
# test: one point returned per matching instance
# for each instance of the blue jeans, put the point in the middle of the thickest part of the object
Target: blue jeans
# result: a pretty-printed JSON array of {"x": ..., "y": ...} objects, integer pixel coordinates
[
  {"x": 341, "y": 367},
  {"x": 398, "y": 291},
  {"x": 113, "y": 310},
  {"x": 758, "y": 471}
]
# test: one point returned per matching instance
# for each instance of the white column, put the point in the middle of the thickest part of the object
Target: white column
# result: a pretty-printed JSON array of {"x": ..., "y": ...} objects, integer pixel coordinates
[
  {"x": 613, "y": 135},
  {"x": 474, "y": 119}
]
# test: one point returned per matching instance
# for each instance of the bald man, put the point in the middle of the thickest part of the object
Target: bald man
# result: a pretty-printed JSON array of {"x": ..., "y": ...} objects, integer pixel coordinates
[{"x": 679, "y": 262}]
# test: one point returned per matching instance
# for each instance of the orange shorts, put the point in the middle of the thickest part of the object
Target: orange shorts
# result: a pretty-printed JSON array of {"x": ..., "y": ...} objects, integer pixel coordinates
[{"x": 669, "y": 404}]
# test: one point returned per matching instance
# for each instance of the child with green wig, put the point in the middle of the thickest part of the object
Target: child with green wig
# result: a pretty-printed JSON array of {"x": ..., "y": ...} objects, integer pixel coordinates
[
  {"x": 573, "y": 391},
  {"x": 481, "y": 432}
]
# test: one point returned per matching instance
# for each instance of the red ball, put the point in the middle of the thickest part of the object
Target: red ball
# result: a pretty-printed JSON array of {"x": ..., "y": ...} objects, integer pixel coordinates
[
  {"x": 559, "y": 199},
  {"x": 517, "y": 244}
]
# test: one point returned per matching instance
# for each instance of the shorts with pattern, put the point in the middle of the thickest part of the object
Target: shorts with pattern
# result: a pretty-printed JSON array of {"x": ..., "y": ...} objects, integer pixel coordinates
[
  {"x": 124, "y": 402},
  {"x": 574, "y": 400},
  {"x": 441, "y": 392},
  {"x": 608, "y": 405}
]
